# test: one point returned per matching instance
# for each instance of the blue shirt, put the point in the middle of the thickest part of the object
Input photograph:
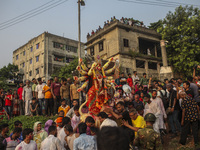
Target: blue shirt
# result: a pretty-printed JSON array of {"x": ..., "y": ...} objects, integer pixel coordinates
[
  {"x": 85, "y": 142},
  {"x": 20, "y": 138}
]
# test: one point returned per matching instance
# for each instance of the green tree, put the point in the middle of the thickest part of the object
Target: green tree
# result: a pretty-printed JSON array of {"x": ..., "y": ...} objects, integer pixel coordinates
[
  {"x": 9, "y": 71},
  {"x": 181, "y": 30}
]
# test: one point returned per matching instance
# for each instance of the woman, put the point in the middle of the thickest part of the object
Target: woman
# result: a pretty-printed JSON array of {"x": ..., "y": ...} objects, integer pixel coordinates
[
  {"x": 47, "y": 125},
  {"x": 16, "y": 110},
  {"x": 39, "y": 134}
]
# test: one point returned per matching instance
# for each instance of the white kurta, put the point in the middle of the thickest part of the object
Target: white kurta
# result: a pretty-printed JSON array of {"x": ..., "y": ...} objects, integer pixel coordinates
[{"x": 154, "y": 108}]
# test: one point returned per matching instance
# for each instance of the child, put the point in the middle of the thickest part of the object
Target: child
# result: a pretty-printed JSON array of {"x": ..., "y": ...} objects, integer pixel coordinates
[
  {"x": 90, "y": 123},
  {"x": 64, "y": 107},
  {"x": 76, "y": 118},
  {"x": 3, "y": 112},
  {"x": 141, "y": 96},
  {"x": 34, "y": 107},
  {"x": 70, "y": 136},
  {"x": 18, "y": 124},
  {"x": 8, "y": 102},
  {"x": 16, "y": 102}
]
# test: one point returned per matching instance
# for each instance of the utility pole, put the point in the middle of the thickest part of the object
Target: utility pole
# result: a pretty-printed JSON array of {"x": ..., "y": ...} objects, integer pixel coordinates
[{"x": 80, "y": 3}]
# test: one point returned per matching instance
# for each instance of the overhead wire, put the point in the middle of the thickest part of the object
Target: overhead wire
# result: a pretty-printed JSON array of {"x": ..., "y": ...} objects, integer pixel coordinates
[
  {"x": 31, "y": 15},
  {"x": 164, "y": 4},
  {"x": 32, "y": 10}
]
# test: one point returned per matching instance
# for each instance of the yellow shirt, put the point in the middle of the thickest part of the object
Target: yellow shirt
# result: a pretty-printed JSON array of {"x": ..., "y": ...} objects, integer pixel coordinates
[
  {"x": 47, "y": 94},
  {"x": 65, "y": 109},
  {"x": 139, "y": 123}
]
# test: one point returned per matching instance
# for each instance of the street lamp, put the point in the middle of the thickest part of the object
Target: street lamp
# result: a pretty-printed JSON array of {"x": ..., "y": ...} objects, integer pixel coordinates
[{"x": 80, "y": 3}]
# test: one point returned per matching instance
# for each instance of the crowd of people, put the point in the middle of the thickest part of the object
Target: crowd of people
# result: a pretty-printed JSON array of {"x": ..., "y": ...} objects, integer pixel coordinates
[
  {"x": 127, "y": 21},
  {"x": 140, "y": 113}
]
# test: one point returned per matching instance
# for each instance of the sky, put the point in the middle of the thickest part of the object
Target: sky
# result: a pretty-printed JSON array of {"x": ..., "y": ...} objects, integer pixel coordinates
[{"x": 62, "y": 20}]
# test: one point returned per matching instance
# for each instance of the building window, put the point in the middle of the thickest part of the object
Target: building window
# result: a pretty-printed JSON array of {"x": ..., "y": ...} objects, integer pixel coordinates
[
  {"x": 31, "y": 61},
  {"x": 37, "y": 71},
  {"x": 23, "y": 65},
  {"x": 37, "y": 58},
  {"x": 100, "y": 46},
  {"x": 69, "y": 59},
  {"x": 59, "y": 58},
  {"x": 71, "y": 48},
  {"x": 31, "y": 48},
  {"x": 92, "y": 51},
  {"x": 125, "y": 42},
  {"x": 30, "y": 73},
  {"x": 152, "y": 65},
  {"x": 37, "y": 45},
  {"x": 17, "y": 57},
  {"x": 140, "y": 64},
  {"x": 24, "y": 53}
]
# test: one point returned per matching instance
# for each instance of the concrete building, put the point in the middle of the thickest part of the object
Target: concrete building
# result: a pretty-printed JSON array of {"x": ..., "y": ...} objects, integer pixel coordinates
[
  {"x": 136, "y": 47},
  {"x": 44, "y": 54}
]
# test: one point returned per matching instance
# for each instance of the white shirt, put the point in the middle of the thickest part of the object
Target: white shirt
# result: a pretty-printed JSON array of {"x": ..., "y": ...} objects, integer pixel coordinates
[
  {"x": 24, "y": 146},
  {"x": 108, "y": 122},
  {"x": 152, "y": 108},
  {"x": 159, "y": 94},
  {"x": 51, "y": 143},
  {"x": 27, "y": 93},
  {"x": 39, "y": 89},
  {"x": 160, "y": 105},
  {"x": 61, "y": 136},
  {"x": 135, "y": 78}
]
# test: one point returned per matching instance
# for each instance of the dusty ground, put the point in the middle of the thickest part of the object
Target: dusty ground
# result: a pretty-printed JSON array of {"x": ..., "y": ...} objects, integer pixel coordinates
[{"x": 173, "y": 143}]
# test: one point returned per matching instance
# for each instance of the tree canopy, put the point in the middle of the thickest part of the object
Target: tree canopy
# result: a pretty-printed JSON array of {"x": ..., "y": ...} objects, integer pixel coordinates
[{"x": 181, "y": 30}]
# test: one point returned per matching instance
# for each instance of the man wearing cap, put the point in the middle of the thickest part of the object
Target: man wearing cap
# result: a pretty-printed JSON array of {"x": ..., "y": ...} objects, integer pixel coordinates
[{"x": 147, "y": 138}]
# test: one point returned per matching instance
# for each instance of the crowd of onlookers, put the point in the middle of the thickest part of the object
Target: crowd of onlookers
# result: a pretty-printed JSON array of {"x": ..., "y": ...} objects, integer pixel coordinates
[
  {"x": 128, "y": 21},
  {"x": 39, "y": 98},
  {"x": 139, "y": 107}
]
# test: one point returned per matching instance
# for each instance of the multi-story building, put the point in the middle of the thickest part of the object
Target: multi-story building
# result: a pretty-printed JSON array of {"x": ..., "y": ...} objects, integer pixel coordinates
[
  {"x": 136, "y": 47},
  {"x": 44, "y": 54}
]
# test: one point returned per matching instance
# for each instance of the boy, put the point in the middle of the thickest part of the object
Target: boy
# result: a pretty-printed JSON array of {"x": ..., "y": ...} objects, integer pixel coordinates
[
  {"x": 28, "y": 142},
  {"x": 70, "y": 136},
  {"x": 12, "y": 141},
  {"x": 34, "y": 107},
  {"x": 89, "y": 121},
  {"x": 3, "y": 112},
  {"x": 76, "y": 118},
  {"x": 18, "y": 124},
  {"x": 64, "y": 107},
  {"x": 8, "y": 102}
]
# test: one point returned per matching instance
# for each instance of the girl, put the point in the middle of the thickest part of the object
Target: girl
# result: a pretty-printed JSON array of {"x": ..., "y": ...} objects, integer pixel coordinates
[
  {"x": 16, "y": 110},
  {"x": 39, "y": 134},
  {"x": 8, "y": 102}
]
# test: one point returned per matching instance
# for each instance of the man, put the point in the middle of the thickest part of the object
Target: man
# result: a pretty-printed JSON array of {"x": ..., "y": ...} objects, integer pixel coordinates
[
  {"x": 12, "y": 141},
  {"x": 105, "y": 121},
  {"x": 65, "y": 91},
  {"x": 122, "y": 79},
  {"x": 19, "y": 92},
  {"x": 70, "y": 113},
  {"x": 34, "y": 86},
  {"x": 180, "y": 81},
  {"x": 147, "y": 138},
  {"x": 190, "y": 116},
  {"x": 112, "y": 138},
  {"x": 51, "y": 142},
  {"x": 40, "y": 96},
  {"x": 130, "y": 81},
  {"x": 135, "y": 77},
  {"x": 162, "y": 110},
  {"x": 55, "y": 91},
  {"x": 48, "y": 98},
  {"x": 84, "y": 141},
  {"x": 18, "y": 124},
  {"x": 137, "y": 101},
  {"x": 195, "y": 89},
  {"x": 161, "y": 93},
  {"x": 188, "y": 90},
  {"x": 152, "y": 107},
  {"x": 4, "y": 130},
  {"x": 27, "y": 97},
  {"x": 2, "y": 96},
  {"x": 73, "y": 91},
  {"x": 174, "y": 111},
  {"x": 166, "y": 81},
  {"x": 28, "y": 143},
  {"x": 144, "y": 80},
  {"x": 137, "y": 121},
  {"x": 61, "y": 134}
]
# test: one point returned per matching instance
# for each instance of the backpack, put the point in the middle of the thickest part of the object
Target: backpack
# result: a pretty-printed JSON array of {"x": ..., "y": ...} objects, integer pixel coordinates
[{"x": 164, "y": 99}]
